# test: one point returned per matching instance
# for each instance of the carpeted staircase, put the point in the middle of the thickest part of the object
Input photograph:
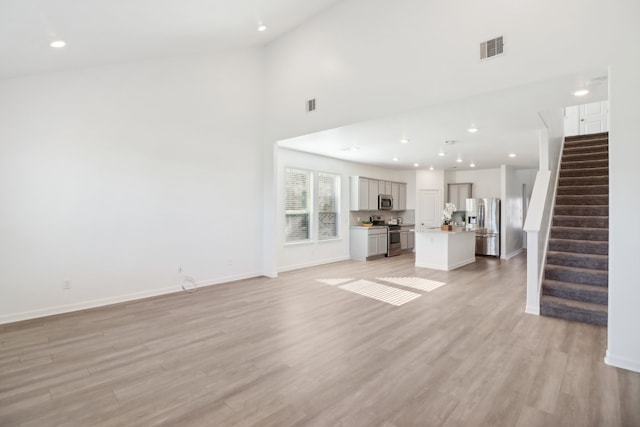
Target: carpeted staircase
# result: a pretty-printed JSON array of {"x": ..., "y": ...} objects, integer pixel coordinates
[{"x": 575, "y": 285}]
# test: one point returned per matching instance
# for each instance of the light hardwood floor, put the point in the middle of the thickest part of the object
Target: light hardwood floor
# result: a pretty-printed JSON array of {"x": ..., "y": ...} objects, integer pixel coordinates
[{"x": 293, "y": 351}]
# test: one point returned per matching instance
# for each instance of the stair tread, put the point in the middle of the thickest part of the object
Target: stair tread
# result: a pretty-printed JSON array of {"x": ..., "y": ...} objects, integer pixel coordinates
[
  {"x": 578, "y": 255},
  {"x": 575, "y": 286},
  {"x": 577, "y": 269},
  {"x": 571, "y": 304},
  {"x": 581, "y": 229}
]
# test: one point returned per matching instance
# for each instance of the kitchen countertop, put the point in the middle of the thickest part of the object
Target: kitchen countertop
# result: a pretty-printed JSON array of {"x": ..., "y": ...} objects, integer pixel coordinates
[{"x": 437, "y": 230}]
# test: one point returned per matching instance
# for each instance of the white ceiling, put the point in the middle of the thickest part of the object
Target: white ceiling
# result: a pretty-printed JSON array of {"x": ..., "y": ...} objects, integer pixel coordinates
[
  {"x": 508, "y": 122},
  {"x": 112, "y": 31}
]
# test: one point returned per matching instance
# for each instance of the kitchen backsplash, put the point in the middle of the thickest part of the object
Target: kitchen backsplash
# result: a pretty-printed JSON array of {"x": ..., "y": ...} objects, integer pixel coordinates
[{"x": 408, "y": 216}]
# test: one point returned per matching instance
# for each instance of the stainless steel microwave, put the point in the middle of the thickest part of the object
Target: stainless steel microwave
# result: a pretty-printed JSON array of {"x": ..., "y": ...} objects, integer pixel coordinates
[{"x": 385, "y": 202}]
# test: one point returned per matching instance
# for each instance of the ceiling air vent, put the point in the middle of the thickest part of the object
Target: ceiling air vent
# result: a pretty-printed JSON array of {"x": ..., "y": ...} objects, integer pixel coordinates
[
  {"x": 491, "y": 48},
  {"x": 311, "y": 105}
]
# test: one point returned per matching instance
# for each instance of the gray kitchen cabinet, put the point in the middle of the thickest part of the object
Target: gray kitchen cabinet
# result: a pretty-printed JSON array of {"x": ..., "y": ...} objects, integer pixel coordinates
[
  {"x": 458, "y": 194},
  {"x": 359, "y": 193},
  {"x": 402, "y": 197},
  {"x": 373, "y": 194},
  {"x": 363, "y": 195},
  {"x": 404, "y": 239},
  {"x": 411, "y": 240},
  {"x": 368, "y": 243},
  {"x": 387, "y": 187}
]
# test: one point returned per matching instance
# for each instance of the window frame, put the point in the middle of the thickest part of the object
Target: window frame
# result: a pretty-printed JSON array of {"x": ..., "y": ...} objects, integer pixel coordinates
[{"x": 310, "y": 206}]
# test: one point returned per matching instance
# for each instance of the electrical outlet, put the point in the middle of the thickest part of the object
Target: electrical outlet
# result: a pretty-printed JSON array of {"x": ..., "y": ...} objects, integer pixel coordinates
[
  {"x": 179, "y": 269},
  {"x": 66, "y": 285}
]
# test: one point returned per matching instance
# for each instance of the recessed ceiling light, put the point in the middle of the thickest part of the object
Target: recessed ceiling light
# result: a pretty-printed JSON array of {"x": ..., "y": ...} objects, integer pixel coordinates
[
  {"x": 58, "y": 43},
  {"x": 581, "y": 92},
  {"x": 473, "y": 165},
  {"x": 512, "y": 154},
  {"x": 441, "y": 154},
  {"x": 415, "y": 165},
  {"x": 459, "y": 160},
  {"x": 430, "y": 168},
  {"x": 395, "y": 159},
  {"x": 404, "y": 141},
  {"x": 262, "y": 27},
  {"x": 472, "y": 130}
]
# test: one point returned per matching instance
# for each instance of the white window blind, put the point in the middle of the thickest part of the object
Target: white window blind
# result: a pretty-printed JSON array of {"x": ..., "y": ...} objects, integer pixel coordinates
[
  {"x": 297, "y": 205},
  {"x": 328, "y": 197}
]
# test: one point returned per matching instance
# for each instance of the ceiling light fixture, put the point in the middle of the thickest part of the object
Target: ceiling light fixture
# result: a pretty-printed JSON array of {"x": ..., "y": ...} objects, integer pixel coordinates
[
  {"x": 441, "y": 154},
  {"x": 459, "y": 160},
  {"x": 415, "y": 165},
  {"x": 395, "y": 159},
  {"x": 512, "y": 155},
  {"x": 581, "y": 92},
  {"x": 404, "y": 141},
  {"x": 472, "y": 130},
  {"x": 262, "y": 27},
  {"x": 430, "y": 168},
  {"x": 473, "y": 165},
  {"x": 58, "y": 43}
]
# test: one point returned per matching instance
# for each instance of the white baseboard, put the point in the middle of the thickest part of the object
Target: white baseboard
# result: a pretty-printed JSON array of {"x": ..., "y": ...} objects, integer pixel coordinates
[
  {"x": 532, "y": 309},
  {"x": 312, "y": 264},
  {"x": 512, "y": 254},
  {"x": 445, "y": 267},
  {"x": 622, "y": 362},
  {"x": 85, "y": 305}
]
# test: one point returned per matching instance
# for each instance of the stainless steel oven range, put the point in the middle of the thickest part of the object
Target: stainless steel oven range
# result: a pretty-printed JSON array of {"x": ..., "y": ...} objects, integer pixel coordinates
[{"x": 394, "y": 247}]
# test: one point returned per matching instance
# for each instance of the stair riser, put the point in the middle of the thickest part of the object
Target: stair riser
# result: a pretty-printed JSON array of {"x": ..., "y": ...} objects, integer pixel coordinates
[
  {"x": 574, "y": 295},
  {"x": 594, "y": 279},
  {"x": 588, "y": 172},
  {"x": 579, "y": 181},
  {"x": 584, "y": 210},
  {"x": 593, "y": 318},
  {"x": 590, "y": 142},
  {"x": 584, "y": 157},
  {"x": 576, "y": 233},
  {"x": 582, "y": 200},
  {"x": 568, "y": 261},
  {"x": 579, "y": 248},
  {"x": 594, "y": 149},
  {"x": 583, "y": 190},
  {"x": 585, "y": 164},
  {"x": 581, "y": 221}
]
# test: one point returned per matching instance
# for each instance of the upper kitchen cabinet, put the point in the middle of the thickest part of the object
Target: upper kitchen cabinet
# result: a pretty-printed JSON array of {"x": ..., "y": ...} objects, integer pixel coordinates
[
  {"x": 399, "y": 194},
  {"x": 458, "y": 194},
  {"x": 364, "y": 193},
  {"x": 359, "y": 193}
]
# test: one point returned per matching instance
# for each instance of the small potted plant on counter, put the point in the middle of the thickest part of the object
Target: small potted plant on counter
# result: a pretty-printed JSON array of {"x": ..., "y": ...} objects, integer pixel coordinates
[
  {"x": 366, "y": 223},
  {"x": 447, "y": 214}
]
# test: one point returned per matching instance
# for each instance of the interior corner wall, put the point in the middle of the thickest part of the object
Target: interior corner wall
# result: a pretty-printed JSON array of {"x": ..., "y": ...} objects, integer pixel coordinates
[{"x": 112, "y": 177}]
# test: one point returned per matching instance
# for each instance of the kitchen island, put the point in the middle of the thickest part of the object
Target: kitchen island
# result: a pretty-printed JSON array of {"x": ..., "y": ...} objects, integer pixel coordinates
[{"x": 445, "y": 250}]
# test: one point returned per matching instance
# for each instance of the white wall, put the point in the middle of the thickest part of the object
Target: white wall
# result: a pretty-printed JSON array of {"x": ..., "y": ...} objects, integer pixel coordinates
[
  {"x": 486, "y": 182},
  {"x": 624, "y": 174},
  {"x": 111, "y": 177},
  {"x": 298, "y": 255},
  {"x": 368, "y": 58}
]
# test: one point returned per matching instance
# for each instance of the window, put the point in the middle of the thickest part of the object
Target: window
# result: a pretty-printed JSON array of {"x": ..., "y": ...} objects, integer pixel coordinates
[
  {"x": 328, "y": 196},
  {"x": 297, "y": 202}
]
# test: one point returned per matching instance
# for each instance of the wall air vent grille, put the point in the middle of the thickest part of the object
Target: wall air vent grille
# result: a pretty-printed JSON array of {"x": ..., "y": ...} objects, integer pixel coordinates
[
  {"x": 311, "y": 105},
  {"x": 491, "y": 48}
]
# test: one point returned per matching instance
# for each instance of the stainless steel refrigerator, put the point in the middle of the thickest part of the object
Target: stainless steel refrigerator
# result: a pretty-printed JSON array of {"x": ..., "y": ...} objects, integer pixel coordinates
[{"x": 483, "y": 216}]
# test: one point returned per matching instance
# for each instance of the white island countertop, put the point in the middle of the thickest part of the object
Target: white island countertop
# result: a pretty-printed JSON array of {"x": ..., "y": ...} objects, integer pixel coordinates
[{"x": 445, "y": 250}]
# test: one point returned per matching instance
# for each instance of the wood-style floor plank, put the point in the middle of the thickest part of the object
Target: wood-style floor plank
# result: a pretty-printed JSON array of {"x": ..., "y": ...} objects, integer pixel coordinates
[{"x": 293, "y": 351}]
